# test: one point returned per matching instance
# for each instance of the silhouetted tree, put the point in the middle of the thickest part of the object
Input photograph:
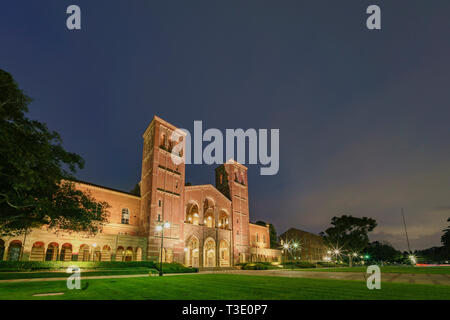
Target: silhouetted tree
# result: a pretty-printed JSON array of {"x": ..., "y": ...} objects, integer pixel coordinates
[
  {"x": 36, "y": 173},
  {"x": 136, "y": 190},
  {"x": 349, "y": 233}
]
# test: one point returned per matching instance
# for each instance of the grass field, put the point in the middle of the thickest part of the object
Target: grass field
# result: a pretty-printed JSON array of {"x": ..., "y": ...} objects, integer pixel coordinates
[
  {"x": 222, "y": 286},
  {"x": 387, "y": 269}
]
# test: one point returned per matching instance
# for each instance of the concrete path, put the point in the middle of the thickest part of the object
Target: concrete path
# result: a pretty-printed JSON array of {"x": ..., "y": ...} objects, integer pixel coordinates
[{"x": 441, "y": 279}]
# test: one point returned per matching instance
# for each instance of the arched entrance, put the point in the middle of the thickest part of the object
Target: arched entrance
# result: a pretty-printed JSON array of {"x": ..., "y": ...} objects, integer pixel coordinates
[
  {"x": 84, "y": 253},
  {"x": 209, "y": 253},
  {"x": 224, "y": 254},
  {"x": 14, "y": 250},
  {"x": 52, "y": 252},
  {"x": 138, "y": 254},
  {"x": 106, "y": 253},
  {"x": 119, "y": 254},
  {"x": 96, "y": 254},
  {"x": 37, "y": 251},
  {"x": 66, "y": 252},
  {"x": 192, "y": 253},
  {"x": 129, "y": 254}
]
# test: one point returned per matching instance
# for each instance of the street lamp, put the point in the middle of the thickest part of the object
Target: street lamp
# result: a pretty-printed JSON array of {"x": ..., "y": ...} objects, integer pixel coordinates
[{"x": 160, "y": 228}]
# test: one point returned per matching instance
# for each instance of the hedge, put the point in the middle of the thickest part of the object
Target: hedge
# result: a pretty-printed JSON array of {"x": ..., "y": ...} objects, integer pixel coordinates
[
  {"x": 254, "y": 266},
  {"x": 175, "y": 268},
  {"x": 56, "y": 265}
]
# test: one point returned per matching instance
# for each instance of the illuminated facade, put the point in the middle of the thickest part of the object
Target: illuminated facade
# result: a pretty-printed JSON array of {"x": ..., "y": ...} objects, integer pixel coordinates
[{"x": 207, "y": 226}]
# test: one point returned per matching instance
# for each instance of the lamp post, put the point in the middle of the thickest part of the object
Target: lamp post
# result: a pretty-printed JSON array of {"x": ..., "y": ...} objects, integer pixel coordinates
[{"x": 160, "y": 227}]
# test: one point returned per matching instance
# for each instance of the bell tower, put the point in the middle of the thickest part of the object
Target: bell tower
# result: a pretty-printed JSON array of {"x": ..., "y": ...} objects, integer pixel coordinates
[
  {"x": 162, "y": 190},
  {"x": 231, "y": 180}
]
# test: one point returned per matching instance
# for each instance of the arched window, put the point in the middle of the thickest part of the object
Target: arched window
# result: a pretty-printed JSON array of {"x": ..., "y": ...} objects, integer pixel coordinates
[
  {"x": 192, "y": 214},
  {"x": 125, "y": 216},
  {"x": 223, "y": 220},
  {"x": 14, "y": 250}
]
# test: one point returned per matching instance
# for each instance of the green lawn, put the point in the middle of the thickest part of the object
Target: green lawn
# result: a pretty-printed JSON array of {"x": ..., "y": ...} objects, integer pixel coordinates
[
  {"x": 386, "y": 269},
  {"x": 223, "y": 286}
]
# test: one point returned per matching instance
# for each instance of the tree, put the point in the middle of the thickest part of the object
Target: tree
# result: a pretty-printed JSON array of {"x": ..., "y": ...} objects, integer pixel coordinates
[
  {"x": 36, "y": 173},
  {"x": 136, "y": 190},
  {"x": 445, "y": 238},
  {"x": 383, "y": 251},
  {"x": 349, "y": 233},
  {"x": 272, "y": 234}
]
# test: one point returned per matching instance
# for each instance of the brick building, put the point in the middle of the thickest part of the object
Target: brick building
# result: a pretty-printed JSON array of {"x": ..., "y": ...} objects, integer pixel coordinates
[
  {"x": 207, "y": 226},
  {"x": 313, "y": 246}
]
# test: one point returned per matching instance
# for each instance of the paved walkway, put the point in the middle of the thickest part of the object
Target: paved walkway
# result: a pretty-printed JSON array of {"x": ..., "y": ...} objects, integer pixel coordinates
[{"x": 442, "y": 279}]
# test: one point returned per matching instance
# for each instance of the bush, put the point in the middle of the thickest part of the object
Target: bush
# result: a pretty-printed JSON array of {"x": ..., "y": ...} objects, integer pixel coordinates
[
  {"x": 254, "y": 266},
  {"x": 56, "y": 265},
  {"x": 175, "y": 268}
]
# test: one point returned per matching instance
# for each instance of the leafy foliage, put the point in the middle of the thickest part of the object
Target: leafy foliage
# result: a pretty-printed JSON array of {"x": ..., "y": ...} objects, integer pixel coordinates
[
  {"x": 445, "y": 238},
  {"x": 35, "y": 170},
  {"x": 349, "y": 233},
  {"x": 383, "y": 251},
  {"x": 136, "y": 190}
]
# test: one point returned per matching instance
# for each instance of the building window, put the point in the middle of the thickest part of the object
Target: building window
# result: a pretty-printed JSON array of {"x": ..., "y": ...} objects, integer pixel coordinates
[
  {"x": 159, "y": 217},
  {"x": 220, "y": 178},
  {"x": 176, "y": 185},
  {"x": 159, "y": 203},
  {"x": 257, "y": 238},
  {"x": 125, "y": 216}
]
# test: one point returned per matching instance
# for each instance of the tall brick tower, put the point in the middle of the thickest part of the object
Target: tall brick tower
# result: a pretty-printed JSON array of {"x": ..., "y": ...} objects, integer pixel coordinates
[
  {"x": 231, "y": 180},
  {"x": 162, "y": 192}
]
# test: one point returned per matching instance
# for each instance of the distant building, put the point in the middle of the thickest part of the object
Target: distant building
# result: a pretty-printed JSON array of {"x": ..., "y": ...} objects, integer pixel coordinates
[
  {"x": 313, "y": 246},
  {"x": 260, "y": 245}
]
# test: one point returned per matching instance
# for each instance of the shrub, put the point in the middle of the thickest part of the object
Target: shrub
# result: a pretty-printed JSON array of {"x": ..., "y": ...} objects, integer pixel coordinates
[
  {"x": 56, "y": 265},
  {"x": 255, "y": 266},
  {"x": 175, "y": 268}
]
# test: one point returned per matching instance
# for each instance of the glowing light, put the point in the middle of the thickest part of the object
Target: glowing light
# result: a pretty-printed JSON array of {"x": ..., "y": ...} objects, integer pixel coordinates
[
  {"x": 286, "y": 246},
  {"x": 167, "y": 225},
  {"x": 94, "y": 245},
  {"x": 158, "y": 228},
  {"x": 336, "y": 251},
  {"x": 355, "y": 254},
  {"x": 185, "y": 249},
  {"x": 329, "y": 252}
]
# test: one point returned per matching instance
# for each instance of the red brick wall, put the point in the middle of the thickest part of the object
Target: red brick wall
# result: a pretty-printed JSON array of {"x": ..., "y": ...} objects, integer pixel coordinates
[
  {"x": 117, "y": 201},
  {"x": 259, "y": 236}
]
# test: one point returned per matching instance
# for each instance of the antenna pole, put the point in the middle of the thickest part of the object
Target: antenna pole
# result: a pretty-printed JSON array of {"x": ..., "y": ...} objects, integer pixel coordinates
[{"x": 406, "y": 231}]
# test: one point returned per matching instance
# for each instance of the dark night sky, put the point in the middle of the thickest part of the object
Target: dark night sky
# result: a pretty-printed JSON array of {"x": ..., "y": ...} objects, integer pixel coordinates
[{"x": 363, "y": 115}]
